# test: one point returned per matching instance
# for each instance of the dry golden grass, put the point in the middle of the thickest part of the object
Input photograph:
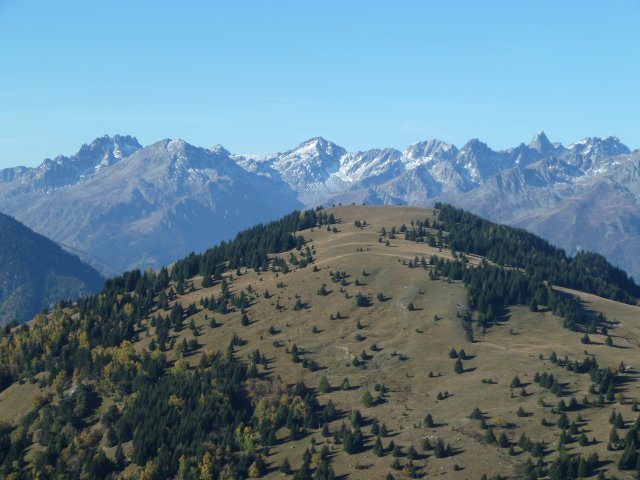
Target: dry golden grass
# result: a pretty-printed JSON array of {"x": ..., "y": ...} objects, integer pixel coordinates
[
  {"x": 410, "y": 345},
  {"x": 17, "y": 400}
]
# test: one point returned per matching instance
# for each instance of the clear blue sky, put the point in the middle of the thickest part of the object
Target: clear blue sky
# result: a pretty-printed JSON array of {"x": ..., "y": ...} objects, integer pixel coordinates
[{"x": 263, "y": 76}]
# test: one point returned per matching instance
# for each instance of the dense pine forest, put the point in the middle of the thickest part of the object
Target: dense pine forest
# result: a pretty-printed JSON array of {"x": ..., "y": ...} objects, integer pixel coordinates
[
  {"x": 508, "y": 246},
  {"x": 219, "y": 417}
]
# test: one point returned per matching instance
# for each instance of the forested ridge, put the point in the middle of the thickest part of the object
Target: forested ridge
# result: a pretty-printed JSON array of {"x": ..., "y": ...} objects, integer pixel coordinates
[
  {"x": 35, "y": 272},
  {"x": 251, "y": 247},
  {"x": 508, "y": 246},
  {"x": 521, "y": 270}
]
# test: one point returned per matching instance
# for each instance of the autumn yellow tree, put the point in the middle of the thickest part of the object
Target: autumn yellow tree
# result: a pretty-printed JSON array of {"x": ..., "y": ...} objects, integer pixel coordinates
[{"x": 205, "y": 467}]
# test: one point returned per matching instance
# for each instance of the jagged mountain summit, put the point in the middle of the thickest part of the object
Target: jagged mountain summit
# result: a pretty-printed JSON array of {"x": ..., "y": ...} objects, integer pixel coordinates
[
  {"x": 127, "y": 206},
  {"x": 318, "y": 169},
  {"x": 62, "y": 171},
  {"x": 540, "y": 185},
  {"x": 542, "y": 145}
]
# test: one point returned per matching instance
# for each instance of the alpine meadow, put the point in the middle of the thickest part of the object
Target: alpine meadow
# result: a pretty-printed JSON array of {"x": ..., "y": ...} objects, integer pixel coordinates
[{"x": 359, "y": 342}]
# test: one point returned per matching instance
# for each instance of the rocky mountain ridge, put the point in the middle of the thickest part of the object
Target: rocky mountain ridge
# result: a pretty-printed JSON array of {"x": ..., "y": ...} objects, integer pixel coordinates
[
  {"x": 541, "y": 186},
  {"x": 128, "y": 206},
  {"x": 146, "y": 209}
]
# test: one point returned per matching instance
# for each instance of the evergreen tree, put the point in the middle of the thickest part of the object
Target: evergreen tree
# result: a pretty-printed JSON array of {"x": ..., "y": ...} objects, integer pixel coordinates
[
  {"x": 323, "y": 385},
  {"x": 440, "y": 450},
  {"x": 412, "y": 454},
  {"x": 378, "y": 449},
  {"x": 458, "y": 368},
  {"x": 428, "y": 421},
  {"x": 489, "y": 436},
  {"x": 629, "y": 457}
]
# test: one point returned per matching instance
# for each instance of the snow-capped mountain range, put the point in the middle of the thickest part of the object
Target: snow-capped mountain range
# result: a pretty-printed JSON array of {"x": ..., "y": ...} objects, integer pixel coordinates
[
  {"x": 130, "y": 206},
  {"x": 318, "y": 169}
]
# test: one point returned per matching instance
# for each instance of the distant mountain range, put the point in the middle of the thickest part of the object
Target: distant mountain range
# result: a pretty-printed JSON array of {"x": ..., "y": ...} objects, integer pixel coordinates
[
  {"x": 127, "y": 206},
  {"x": 36, "y": 273},
  {"x": 133, "y": 207}
]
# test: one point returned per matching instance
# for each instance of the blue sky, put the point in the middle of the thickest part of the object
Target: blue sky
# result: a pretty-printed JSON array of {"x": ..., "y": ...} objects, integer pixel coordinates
[{"x": 263, "y": 76}]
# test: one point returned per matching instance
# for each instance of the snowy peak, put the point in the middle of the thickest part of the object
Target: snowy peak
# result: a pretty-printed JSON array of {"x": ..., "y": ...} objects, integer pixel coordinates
[
  {"x": 184, "y": 156},
  {"x": 320, "y": 143},
  {"x": 220, "y": 150},
  {"x": 609, "y": 146},
  {"x": 318, "y": 169},
  {"x": 189, "y": 154},
  {"x": 480, "y": 162},
  {"x": 429, "y": 150},
  {"x": 360, "y": 166},
  {"x": 593, "y": 154},
  {"x": 63, "y": 171},
  {"x": 310, "y": 164},
  {"x": 103, "y": 151},
  {"x": 316, "y": 147}
]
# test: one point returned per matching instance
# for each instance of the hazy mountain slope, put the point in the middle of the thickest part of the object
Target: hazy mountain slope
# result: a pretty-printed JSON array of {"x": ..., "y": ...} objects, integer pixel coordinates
[
  {"x": 35, "y": 273},
  {"x": 154, "y": 206},
  {"x": 601, "y": 216}
]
